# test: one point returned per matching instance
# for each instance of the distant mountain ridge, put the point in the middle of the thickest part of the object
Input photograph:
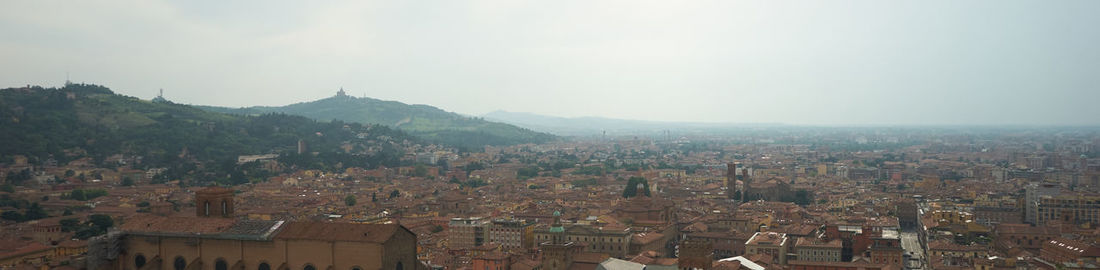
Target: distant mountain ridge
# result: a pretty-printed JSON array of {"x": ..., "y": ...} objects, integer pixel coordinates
[
  {"x": 591, "y": 126},
  {"x": 427, "y": 122}
]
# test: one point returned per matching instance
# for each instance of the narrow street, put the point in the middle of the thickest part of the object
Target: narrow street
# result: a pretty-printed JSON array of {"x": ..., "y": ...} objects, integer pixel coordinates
[{"x": 911, "y": 243}]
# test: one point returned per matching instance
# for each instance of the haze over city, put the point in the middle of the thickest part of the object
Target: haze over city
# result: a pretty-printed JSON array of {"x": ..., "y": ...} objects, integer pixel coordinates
[
  {"x": 818, "y": 63},
  {"x": 550, "y": 135}
]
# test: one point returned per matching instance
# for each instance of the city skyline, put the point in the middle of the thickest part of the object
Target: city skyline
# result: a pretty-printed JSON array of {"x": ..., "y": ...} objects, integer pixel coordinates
[{"x": 549, "y": 135}]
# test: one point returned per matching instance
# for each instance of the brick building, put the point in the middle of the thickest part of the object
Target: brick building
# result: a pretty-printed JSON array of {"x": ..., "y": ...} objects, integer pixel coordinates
[
  {"x": 768, "y": 243},
  {"x": 159, "y": 242}
]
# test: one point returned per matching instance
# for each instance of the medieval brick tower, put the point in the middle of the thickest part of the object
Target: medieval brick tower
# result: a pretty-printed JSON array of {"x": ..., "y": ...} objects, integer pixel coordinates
[
  {"x": 731, "y": 181},
  {"x": 746, "y": 184},
  {"x": 214, "y": 202}
]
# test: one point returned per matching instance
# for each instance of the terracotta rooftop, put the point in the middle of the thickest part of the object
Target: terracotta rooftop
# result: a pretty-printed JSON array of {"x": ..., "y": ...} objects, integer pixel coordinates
[
  {"x": 188, "y": 225},
  {"x": 945, "y": 245},
  {"x": 646, "y": 238},
  {"x": 1007, "y": 228},
  {"x": 214, "y": 190},
  {"x": 860, "y": 265},
  {"x": 73, "y": 243},
  {"x": 352, "y": 232},
  {"x": 727, "y": 265},
  {"x": 589, "y": 257},
  {"x": 201, "y": 227},
  {"x": 1074, "y": 246},
  {"x": 653, "y": 258},
  {"x": 10, "y": 249}
]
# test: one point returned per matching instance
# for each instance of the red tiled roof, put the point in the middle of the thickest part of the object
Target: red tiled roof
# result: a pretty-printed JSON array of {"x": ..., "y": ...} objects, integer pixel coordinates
[
  {"x": 214, "y": 190},
  {"x": 376, "y": 233},
  {"x": 949, "y": 246},
  {"x": 1085, "y": 250},
  {"x": 589, "y": 257},
  {"x": 727, "y": 265},
  {"x": 10, "y": 249},
  {"x": 73, "y": 243},
  {"x": 646, "y": 238},
  {"x": 191, "y": 225},
  {"x": 1006, "y": 228}
]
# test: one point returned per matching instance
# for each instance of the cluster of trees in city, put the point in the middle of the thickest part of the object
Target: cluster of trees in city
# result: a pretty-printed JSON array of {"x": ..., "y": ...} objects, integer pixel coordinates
[
  {"x": 800, "y": 197},
  {"x": 591, "y": 170},
  {"x": 21, "y": 210},
  {"x": 632, "y": 186},
  {"x": 584, "y": 182},
  {"x": 84, "y": 194},
  {"x": 627, "y": 161},
  {"x": 95, "y": 225},
  {"x": 473, "y": 166}
]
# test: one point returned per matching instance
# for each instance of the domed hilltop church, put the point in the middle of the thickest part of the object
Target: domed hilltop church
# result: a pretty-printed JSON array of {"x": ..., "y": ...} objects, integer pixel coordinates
[{"x": 213, "y": 239}]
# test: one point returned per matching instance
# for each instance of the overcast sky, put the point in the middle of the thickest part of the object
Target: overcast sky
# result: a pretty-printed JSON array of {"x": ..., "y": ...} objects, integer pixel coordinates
[{"x": 795, "y": 62}]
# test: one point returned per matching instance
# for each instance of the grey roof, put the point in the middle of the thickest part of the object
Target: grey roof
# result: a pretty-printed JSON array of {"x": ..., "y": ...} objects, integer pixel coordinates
[
  {"x": 617, "y": 264},
  {"x": 746, "y": 263},
  {"x": 253, "y": 228}
]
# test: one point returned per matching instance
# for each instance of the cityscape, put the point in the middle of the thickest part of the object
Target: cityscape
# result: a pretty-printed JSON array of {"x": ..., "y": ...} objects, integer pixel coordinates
[{"x": 574, "y": 136}]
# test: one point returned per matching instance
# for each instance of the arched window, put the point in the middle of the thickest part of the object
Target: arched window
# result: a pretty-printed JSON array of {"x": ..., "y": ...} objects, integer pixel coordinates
[
  {"x": 225, "y": 209},
  {"x": 264, "y": 266},
  {"x": 356, "y": 268},
  {"x": 206, "y": 206},
  {"x": 220, "y": 264},
  {"x": 139, "y": 261},
  {"x": 179, "y": 263},
  {"x": 309, "y": 267},
  {"x": 400, "y": 266}
]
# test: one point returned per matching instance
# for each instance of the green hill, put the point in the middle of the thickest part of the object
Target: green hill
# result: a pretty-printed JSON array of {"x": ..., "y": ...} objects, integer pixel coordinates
[
  {"x": 427, "y": 122},
  {"x": 79, "y": 121}
]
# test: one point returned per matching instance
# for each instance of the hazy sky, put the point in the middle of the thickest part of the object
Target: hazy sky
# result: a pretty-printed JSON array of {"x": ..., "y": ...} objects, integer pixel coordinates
[{"x": 796, "y": 62}]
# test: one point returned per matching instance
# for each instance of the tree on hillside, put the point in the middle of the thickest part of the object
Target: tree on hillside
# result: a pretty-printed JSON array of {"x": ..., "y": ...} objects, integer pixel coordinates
[
  {"x": 35, "y": 212},
  {"x": 17, "y": 178}
]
